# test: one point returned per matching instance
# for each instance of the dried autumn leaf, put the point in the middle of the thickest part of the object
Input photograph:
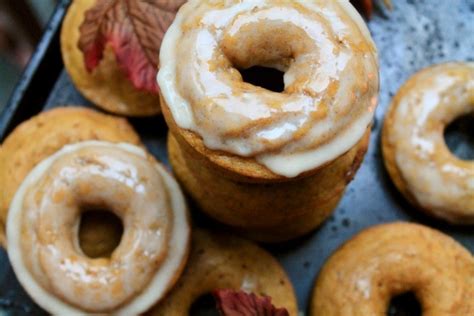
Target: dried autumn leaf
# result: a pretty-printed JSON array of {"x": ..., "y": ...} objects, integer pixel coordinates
[
  {"x": 239, "y": 303},
  {"x": 367, "y": 6},
  {"x": 134, "y": 29}
]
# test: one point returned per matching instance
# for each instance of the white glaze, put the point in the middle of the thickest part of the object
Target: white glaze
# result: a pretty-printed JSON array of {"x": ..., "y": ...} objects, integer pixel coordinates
[
  {"x": 439, "y": 181},
  {"x": 280, "y": 130},
  {"x": 34, "y": 280},
  {"x": 364, "y": 286}
]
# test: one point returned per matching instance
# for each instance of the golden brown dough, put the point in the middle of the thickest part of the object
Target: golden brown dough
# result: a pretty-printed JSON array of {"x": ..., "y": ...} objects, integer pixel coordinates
[
  {"x": 106, "y": 86},
  {"x": 383, "y": 261},
  {"x": 220, "y": 261},
  {"x": 43, "y": 135}
]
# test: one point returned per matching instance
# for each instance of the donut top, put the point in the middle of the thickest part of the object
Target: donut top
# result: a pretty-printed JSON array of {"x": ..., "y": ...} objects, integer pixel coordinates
[
  {"x": 386, "y": 260},
  {"x": 429, "y": 100},
  {"x": 43, "y": 226},
  {"x": 330, "y": 79}
]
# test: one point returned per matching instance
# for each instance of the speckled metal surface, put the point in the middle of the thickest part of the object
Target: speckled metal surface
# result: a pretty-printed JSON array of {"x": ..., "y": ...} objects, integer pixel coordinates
[{"x": 416, "y": 34}]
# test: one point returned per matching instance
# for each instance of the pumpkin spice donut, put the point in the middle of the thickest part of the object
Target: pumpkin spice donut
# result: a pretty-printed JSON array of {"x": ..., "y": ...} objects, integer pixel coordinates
[
  {"x": 46, "y": 133},
  {"x": 415, "y": 152},
  {"x": 117, "y": 69},
  {"x": 271, "y": 165},
  {"x": 384, "y": 261},
  {"x": 42, "y": 230},
  {"x": 221, "y": 261}
]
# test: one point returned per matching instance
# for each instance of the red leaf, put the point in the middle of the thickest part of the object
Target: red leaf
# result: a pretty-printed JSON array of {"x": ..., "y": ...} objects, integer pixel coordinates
[
  {"x": 92, "y": 41},
  {"x": 134, "y": 29},
  {"x": 366, "y": 6},
  {"x": 239, "y": 303}
]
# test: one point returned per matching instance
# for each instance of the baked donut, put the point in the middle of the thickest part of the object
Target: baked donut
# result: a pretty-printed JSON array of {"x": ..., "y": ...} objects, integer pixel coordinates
[
  {"x": 107, "y": 86},
  {"x": 44, "y": 134},
  {"x": 230, "y": 132},
  {"x": 390, "y": 259},
  {"x": 220, "y": 261},
  {"x": 43, "y": 221},
  {"x": 415, "y": 153}
]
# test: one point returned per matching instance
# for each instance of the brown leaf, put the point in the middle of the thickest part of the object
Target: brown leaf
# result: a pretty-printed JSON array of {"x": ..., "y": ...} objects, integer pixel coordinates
[
  {"x": 92, "y": 41},
  {"x": 239, "y": 303},
  {"x": 364, "y": 6},
  {"x": 134, "y": 29}
]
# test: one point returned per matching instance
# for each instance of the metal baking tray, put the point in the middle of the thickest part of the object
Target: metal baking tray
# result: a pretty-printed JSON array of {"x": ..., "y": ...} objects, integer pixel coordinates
[{"x": 414, "y": 35}]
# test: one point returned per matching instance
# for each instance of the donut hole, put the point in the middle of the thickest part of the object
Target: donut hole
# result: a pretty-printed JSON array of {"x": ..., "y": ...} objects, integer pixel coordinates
[
  {"x": 459, "y": 137},
  {"x": 405, "y": 304},
  {"x": 100, "y": 232},
  {"x": 267, "y": 78},
  {"x": 262, "y": 57},
  {"x": 204, "y": 305}
]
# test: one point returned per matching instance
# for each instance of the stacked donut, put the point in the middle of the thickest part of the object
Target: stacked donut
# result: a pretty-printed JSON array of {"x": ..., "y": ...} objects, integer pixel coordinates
[
  {"x": 268, "y": 165},
  {"x": 275, "y": 164}
]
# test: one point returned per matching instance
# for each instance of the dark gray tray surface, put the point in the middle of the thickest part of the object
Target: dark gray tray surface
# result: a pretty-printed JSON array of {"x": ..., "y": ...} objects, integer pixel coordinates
[{"x": 414, "y": 35}]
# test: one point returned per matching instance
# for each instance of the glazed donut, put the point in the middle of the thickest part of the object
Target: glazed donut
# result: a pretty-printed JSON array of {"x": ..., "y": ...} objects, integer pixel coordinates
[
  {"x": 331, "y": 79},
  {"x": 390, "y": 259},
  {"x": 43, "y": 221},
  {"x": 252, "y": 147},
  {"x": 44, "y": 134},
  {"x": 415, "y": 153},
  {"x": 221, "y": 261}
]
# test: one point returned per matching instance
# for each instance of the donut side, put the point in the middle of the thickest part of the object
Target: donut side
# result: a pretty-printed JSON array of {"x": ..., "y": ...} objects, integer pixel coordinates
[
  {"x": 229, "y": 165},
  {"x": 268, "y": 212},
  {"x": 388, "y": 151}
]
